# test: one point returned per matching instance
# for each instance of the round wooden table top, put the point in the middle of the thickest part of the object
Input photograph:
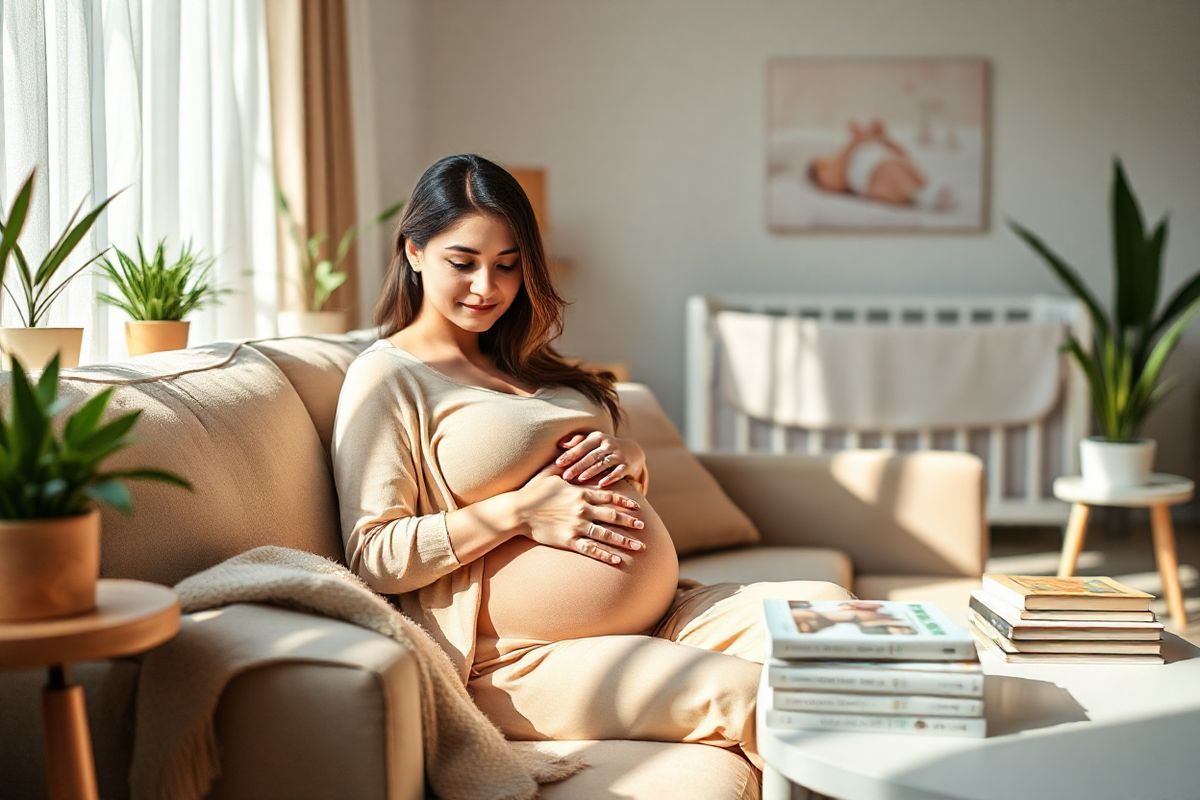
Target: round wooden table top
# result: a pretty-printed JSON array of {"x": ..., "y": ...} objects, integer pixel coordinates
[
  {"x": 1160, "y": 489},
  {"x": 130, "y": 617}
]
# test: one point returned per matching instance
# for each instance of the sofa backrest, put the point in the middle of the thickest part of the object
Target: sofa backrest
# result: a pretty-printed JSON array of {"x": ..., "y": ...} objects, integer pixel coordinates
[
  {"x": 249, "y": 422},
  {"x": 227, "y": 419}
]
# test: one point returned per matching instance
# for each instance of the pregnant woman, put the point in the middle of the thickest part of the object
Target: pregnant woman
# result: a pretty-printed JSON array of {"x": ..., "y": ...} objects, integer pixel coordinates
[{"x": 483, "y": 484}]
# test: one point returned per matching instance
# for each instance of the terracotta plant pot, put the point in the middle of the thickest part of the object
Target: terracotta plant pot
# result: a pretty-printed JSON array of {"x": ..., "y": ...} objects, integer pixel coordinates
[
  {"x": 153, "y": 336},
  {"x": 34, "y": 347},
  {"x": 1116, "y": 465},
  {"x": 310, "y": 323},
  {"x": 49, "y": 567}
]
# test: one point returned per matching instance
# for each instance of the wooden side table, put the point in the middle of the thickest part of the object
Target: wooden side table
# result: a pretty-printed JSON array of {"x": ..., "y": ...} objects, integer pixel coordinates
[
  {"x": 1159, "y": 494},
  {"x": 130, "y": 617}
]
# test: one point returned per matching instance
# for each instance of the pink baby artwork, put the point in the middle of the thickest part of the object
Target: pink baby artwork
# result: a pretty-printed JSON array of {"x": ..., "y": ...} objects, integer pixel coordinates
[{"x": 877, "y": 144}]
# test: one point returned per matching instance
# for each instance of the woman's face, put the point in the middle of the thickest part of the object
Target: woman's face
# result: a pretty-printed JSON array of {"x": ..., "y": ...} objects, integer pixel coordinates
[{"x": 471, "y": 272}]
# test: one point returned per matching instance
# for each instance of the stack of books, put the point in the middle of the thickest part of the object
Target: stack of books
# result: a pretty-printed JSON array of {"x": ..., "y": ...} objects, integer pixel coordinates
[
  {"x": 878, "y": 666},
  {"x": 1031, "y": 619}
]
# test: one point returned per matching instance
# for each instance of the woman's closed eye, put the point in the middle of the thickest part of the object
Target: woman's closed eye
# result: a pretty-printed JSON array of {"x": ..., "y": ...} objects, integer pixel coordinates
[{"x": 464, "y": 267}]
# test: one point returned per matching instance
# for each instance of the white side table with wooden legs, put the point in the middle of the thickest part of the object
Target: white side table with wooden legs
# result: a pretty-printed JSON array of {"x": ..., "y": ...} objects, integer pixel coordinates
[
  {"x": 1159, "y": 494},
  {"x": 130, "y": 617}
]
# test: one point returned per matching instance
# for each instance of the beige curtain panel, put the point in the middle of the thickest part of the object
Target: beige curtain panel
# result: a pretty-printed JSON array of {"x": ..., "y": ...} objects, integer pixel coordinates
[{"x": 312, "y": 137}]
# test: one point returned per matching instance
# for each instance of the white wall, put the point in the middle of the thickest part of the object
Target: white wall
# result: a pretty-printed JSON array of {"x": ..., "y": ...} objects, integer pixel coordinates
[{"x": 649, "y": 119}]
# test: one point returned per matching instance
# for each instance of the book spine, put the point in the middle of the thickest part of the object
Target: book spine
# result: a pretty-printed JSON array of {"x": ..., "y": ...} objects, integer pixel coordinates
[
  {"x": 789, "y": 700},
  {"x": 876, "y": 681},
  {"x": 857, "y": 649},
  {"x": 922, "y": 726},
  {"x": 995, "y": 620}
]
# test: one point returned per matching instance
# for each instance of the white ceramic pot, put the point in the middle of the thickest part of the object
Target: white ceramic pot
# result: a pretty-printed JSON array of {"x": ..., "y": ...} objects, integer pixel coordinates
[
  {"x": 153, "y": 336},
  {"x": 35, "y": 347},
  {"x": 49, "y": 567},
  {"x": 1116, "y": 465},
  {"x": 310, "y": 323}
]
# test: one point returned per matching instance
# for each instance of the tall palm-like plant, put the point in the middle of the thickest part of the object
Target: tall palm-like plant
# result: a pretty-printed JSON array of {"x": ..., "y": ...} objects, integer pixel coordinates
[
  {"x": 35, "y": 282},
  {"x": 1130, "y": 346},
  {"x": 320, "y": 274}
]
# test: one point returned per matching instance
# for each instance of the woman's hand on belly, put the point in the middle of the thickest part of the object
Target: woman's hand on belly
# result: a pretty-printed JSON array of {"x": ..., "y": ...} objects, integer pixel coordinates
[{"x": 590, "y": 521}]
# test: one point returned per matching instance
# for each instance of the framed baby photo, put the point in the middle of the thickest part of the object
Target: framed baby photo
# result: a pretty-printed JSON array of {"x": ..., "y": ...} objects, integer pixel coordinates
[{"x": 877, "y": 144}]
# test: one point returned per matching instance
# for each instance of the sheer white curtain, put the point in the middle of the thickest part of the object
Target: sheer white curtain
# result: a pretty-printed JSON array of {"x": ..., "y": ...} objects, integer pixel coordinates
[{"x": 168, "y": 98}]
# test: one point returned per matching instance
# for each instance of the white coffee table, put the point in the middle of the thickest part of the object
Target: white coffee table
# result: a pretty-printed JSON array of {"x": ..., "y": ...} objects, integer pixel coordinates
[{"x": 1056, "y": 731}]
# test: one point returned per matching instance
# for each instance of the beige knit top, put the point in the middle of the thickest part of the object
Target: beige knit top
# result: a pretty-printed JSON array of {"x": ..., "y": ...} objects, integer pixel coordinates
[{"x": 409, "y": 444}]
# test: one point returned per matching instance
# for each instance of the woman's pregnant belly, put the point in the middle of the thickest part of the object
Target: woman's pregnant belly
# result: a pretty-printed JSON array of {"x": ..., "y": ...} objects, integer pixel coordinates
[{"x": 536, "y": 592}]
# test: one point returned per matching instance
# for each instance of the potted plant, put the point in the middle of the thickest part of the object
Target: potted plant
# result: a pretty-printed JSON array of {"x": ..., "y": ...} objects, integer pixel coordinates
[
  {"x": 158, "y": 295},
  {"x": 1129, "y": 346},
  {"x": 50, "y": 486},
  {"x": 320, "y": 276},
  {"x": 33, "y": 343}
]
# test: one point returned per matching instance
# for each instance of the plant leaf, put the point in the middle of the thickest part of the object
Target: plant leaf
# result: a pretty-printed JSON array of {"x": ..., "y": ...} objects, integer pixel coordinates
[
  {"x": 1067, "y": 275},
  {"x": 112, "y": 492},
  {"x": 1129, "y": 244},
  {"x": 15, "y": 222},
  {"x": 150, "y": 475}
]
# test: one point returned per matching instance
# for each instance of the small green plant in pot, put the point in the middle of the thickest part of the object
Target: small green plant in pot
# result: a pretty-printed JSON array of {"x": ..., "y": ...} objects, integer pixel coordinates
[
  {"x": 50, "y": 485},
  {"x": 320, "y": 275},
  {"x": 158, "y": 293},
  {"x": 1130, "y": 346},
  {"x": 35, "y": 343}
]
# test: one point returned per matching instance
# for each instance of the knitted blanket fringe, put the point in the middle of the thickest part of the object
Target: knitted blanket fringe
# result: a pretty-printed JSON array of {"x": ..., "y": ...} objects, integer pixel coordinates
[{"x": 466, "y": 755}]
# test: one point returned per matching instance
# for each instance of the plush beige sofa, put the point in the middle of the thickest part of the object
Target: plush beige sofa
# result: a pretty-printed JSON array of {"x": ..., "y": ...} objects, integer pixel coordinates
[{"x": 249, "y": 424}]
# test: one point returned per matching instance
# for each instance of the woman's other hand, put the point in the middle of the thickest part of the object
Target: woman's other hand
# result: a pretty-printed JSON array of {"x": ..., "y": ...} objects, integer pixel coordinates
[
  {"x": 560, "y": 514},
  {"x": 598, "y": 453}
]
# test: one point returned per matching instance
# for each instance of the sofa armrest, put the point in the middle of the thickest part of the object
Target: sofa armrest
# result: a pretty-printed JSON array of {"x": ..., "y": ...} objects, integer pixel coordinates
[
  {"x": 892, "y": 513},
  {"x": 328, "y": 709}
]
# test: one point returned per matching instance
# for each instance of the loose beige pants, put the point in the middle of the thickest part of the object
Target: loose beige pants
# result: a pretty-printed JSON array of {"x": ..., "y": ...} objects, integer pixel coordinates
[{"x": 693, "y": 679}]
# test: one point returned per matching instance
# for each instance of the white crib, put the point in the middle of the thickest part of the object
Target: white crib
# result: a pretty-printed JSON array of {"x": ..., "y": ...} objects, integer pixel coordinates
[{"x": 1021, "y": 461}]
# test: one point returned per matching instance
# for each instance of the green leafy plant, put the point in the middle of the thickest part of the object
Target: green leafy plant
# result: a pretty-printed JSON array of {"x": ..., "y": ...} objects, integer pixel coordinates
[
  {"x": 1130, "y": 347},
  {"x": 320, "y": 273},
  {"x": 153, "y": 289},
  {"x": 35, "y": 283},
  {"x": 43, "y": 475}
]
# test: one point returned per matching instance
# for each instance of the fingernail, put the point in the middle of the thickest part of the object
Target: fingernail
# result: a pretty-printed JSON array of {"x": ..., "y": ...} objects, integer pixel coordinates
[
  {"x": 562, "y": 460},
  {"x": 637, "y": 545},
  {"x": 615, "y": 559},
  {"x": 638, "y": 524}
]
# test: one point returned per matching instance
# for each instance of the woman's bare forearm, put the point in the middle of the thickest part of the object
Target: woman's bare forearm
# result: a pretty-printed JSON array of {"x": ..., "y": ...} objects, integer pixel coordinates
[{"x": 481, "y": 527}]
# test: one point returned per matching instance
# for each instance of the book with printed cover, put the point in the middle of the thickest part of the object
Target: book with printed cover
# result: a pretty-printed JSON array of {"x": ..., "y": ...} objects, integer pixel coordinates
[
  {"x": 949, "y": 678},
  {"x": 1004, "y": 621},
  {"x": 1009, "y": 645},
  {"x": 989, "y": 642},
  {"x": 1042, "y": 593},
  {"x": 894, "y": 705},
  {"x": 884, "y": 630},
  {"x": 876, "y": 723}
]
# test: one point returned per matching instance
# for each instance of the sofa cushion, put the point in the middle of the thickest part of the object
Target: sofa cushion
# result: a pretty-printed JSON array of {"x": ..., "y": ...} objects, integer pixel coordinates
[
  {"x": 316, "y": 367},
  {"x": 694, "y": 507},
  {"x": 765, "y": 563},
  {"x": 225, "y": 418},
  {"x": 652, "y": 771}
]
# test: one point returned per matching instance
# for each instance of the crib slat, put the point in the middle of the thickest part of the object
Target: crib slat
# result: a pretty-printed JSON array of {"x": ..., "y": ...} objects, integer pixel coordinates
[
  {"x": 996, "y": 475},
  {"x": 925, "y": 439},
  {"x": 814, "y": 442},
  {"x": 960, "y": 439},
  {"x": 853, "y": 439},
  {"x": 778, "y": 439},
  {"x": 1033, "y": 461},
  {"x": 887, "y": 440},
  {"x": 741, "y": 432}
]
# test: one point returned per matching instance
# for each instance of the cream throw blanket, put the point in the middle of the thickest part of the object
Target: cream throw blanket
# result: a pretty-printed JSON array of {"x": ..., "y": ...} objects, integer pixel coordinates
[{"x": 176, "y": 753}]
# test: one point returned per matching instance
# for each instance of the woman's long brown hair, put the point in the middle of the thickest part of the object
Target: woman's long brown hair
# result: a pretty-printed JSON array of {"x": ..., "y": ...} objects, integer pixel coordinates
[{"x": 520, "y": 341}]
